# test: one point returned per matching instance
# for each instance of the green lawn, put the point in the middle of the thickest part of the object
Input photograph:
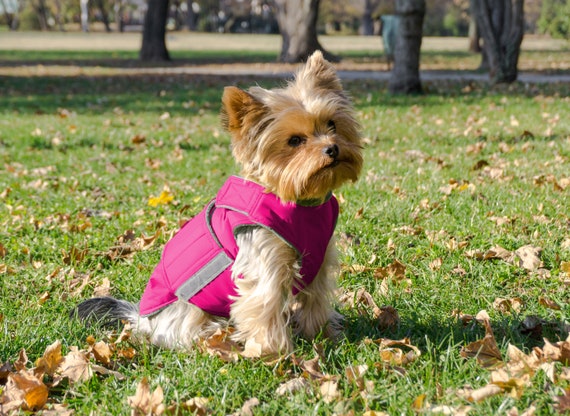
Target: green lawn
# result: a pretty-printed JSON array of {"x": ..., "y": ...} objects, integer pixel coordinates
[{"x": 450, "y": 174}]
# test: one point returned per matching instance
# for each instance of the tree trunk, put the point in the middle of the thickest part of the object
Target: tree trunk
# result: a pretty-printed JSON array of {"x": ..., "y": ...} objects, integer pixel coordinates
[
  {"x": 84, "y": 7},
  {"x": 104, "y": 15},
  {"x": 405, "y": 78},
  {"x": 297, "y": 21},
  {"x": 474, "y": 35},
  {"x": 41, "y": 11},
  {"x": 59, "y": 19},
  {"x": 501, "y": 23},
  {"x": 154, "y": 32},
  {"x": 118, "y": 10},
  {"x": 367, "y": 28}
]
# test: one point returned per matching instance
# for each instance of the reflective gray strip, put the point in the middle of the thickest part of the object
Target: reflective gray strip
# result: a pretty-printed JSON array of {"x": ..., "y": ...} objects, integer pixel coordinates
[{"x": 203, "y": 276}]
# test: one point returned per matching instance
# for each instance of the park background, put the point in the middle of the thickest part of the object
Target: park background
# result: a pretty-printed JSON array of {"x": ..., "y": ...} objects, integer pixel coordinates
[{"x": 455, "y": 242}]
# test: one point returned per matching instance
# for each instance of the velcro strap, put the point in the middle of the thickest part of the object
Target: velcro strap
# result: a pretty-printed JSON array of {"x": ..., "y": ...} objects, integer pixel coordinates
[{"x": 202, "y": 277}]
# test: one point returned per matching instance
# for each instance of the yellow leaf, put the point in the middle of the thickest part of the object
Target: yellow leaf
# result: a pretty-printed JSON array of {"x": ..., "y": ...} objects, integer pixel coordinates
[{"x": 165, "y": 198}]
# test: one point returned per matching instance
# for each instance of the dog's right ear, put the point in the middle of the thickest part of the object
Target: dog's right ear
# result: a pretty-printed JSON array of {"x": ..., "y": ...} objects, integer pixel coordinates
[{"x": 239, "y": 109}]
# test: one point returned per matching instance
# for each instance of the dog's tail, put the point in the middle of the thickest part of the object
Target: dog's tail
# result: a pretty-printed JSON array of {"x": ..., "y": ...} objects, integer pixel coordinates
[{"x": 106, "y": 311}]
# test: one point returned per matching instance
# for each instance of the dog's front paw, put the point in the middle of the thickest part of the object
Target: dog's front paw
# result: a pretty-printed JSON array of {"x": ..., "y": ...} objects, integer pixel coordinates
[{"x": 335, "y": 326}]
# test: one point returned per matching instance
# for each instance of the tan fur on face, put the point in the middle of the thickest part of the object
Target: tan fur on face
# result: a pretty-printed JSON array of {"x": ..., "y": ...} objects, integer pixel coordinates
[{"x": 262, "y": 122}]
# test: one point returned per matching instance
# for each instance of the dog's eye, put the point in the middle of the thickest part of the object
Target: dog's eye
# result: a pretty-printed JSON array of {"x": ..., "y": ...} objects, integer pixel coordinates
[
  {"x": 295, "y": 141},
  {"x": 331, "y": 126}
]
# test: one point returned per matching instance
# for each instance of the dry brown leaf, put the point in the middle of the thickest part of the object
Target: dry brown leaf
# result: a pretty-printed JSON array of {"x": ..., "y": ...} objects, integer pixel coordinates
[
  {"x": 311, "y": 368},
  {"x": 293, "y": 386},
  {"x": 436, "y": 264},
  {"x": 145, "y": 403},
  {"x": 74, "y": 255},
  {"x": 508, "y": 305},
  {"x": 102, "y": 352},
  {"x": 484, "y": 350},
  {"x": 397, "y": 352},
  {"x": 50, "y": 361},
  {"x": 329, "y": 391},
  {"x": 220, "y": 345},
  {"x": 549, "y": 303},
  {"x": 103, "y": 288},
  {"x": 559, "y": 351},
  {"x": 252, "y": 349},
  {"x": 388, "y": 318},
  {"x": 512, "y": 384},
  {"x": 362, "y": 301},
  {"x": 20, "y": 363},
  {"x": 394, "y": 270},
  {"x": 563, "y": 402},
  {"x": 528, "y": 257},
  {"x": 23, "y": 391},
  {"x": 195, "y": 406},
  {"x": 355, "y": 374},
  {"x": 57, "y": 409},
  {"x": 248, "y": 406},
  {"x": 75, "y": 366},
  {"x": 480, "y": 394}
]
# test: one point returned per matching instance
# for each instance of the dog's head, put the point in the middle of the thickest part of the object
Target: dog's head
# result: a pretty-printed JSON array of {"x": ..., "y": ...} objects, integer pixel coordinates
[{"x": 300, "y": 142}]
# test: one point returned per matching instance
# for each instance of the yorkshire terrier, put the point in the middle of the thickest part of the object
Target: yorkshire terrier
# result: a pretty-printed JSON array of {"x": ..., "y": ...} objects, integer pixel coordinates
[{"x": 261, "y": 256}]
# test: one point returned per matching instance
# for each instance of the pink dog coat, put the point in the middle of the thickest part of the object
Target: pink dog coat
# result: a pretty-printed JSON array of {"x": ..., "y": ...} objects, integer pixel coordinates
[{"x": 196, "y": 263}]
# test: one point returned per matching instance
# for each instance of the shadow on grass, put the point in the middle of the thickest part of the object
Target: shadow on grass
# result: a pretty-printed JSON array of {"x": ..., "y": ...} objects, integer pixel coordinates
[{"x": 450, "y": 331}]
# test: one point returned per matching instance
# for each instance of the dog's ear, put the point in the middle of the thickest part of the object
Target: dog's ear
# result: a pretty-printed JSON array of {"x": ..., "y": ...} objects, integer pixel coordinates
[
  {"x": 318, "y": 73},
  {"x": 239, "y": 108}
]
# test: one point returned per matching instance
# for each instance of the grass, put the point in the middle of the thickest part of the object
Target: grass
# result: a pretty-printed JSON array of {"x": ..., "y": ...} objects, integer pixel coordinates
[{"x": 75, "y": 174}]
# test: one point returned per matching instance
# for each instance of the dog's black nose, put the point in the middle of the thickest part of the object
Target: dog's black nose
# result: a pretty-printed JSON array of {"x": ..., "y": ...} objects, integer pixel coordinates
[{"x": 331, "y": 151}]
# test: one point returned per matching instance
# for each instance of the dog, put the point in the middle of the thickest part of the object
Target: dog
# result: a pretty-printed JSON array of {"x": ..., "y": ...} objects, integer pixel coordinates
[{"x": 261, "y": 256}]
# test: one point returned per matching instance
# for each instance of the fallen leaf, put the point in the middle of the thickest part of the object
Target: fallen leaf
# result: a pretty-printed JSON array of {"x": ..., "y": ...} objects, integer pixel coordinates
[
  {"x": 394, "y": 270},
  {"x": 292, "y": 386},
  {"x": 559, "y": 351},
  {"x": 164, "y": 198},
  {"x": 75, "y": 366},
  {"x": 103, "y": 288},
  {"x": 388, "y": 318},
  {"x": 480, "y": 394},
  {"x": 102, "y": 352},
  {"x": 144, "y": 402},
  {"x": 50, "y": 361},
  {"x": 548, "y": 303},
  {"x": 195, "y": 406},
  {"x": 507, "y": 305},
  {"x": 23, "y": 391},
  {"x": 397, "y": 352},
  {"x": 528, "y": 257},
  {"x": 484, "y": 350},
  {"x": 329, "y": 391},
  {"x": 248, "y": 406}
]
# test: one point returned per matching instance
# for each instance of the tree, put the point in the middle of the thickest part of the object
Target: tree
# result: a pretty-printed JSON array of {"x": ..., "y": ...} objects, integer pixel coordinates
[
  {"x": 297, "y": 21},
  {"x": 153, "y": 47},
  {"x": 501, "y": 24},
  {"x": 367, "y": 17},
  {"x": 405, "y": 77}
]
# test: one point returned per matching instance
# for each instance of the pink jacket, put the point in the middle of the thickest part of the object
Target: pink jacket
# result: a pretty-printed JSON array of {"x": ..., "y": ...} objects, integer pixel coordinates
[{"x": 196, "y": 263}]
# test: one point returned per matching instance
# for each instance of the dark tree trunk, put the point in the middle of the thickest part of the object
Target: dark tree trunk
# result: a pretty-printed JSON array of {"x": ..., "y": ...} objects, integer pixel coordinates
[
  {"x": 367, "y": 18},
  {"x": 501, "y": 23},
  {"x": 297, "y": 21},
  {"x": 104, "y": 15},
  {"x": 41, "y": 11},
  {"x": 405, "y": 78},
  {"x": 154, "y": 32},
  {"x": 474, "y": 34}
]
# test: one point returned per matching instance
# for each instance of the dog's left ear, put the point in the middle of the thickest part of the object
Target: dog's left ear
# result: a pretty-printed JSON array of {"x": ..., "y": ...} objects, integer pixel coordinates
[
  {"x": 318, "y": 73},
  {"x": 238, "y": 109}
]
